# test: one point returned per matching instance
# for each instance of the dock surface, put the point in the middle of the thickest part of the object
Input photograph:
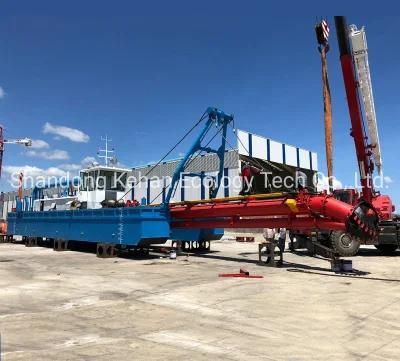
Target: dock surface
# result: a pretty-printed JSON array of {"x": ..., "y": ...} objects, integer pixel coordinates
[{"x": 61, "y": 306}]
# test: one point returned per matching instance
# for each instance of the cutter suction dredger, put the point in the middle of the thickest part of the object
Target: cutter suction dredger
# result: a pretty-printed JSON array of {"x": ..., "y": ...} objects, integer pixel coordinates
[
  {"x": 195, "y": 221},
  {"x": 302, "y": 210}
]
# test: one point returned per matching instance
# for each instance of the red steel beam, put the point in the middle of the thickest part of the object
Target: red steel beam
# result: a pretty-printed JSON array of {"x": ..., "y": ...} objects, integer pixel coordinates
[
  {"x": 305, "y": 211},
  {"x": 303, "y": 204},
  {"x": 304, "y": 224}
]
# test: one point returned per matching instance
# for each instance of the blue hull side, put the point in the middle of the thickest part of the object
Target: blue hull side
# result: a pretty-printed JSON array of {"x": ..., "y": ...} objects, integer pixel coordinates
[
  {"x": 211, "y": 234},
  {"x": 127, "y": 226}
]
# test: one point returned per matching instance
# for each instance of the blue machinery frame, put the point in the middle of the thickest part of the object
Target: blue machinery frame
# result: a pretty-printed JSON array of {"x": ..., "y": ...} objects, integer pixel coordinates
[
  {"x": 219, "y": 119},
  {"x": 131, "y": 226}
]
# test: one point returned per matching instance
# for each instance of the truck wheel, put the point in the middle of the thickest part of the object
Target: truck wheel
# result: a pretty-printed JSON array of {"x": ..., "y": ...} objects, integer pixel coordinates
[
  {"x": 344, "y": 244},
  {"x": 387, "y": 249}
]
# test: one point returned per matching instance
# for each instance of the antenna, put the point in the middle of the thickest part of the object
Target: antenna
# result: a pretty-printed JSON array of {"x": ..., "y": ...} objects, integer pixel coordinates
[{"x": 104, "y": 153}]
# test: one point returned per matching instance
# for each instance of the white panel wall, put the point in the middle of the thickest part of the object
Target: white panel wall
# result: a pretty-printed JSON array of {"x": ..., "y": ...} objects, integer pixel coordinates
[
  {"x": 221, "y": 192},
  {"x": 291, "y": 155},
  {"x": 193, "y": 188},
  {"x": 259, "y": 147},
  {"x": 243, "y": 142},
  {"x": 5, "y": 208},
  {"x": 276, "y": 153},
  {"x": 140, "y": 191},
  {"x": 314, "y": 158},
  {"x": 176, "y": 197},
  {"x": 156, "y": 186},
  {"x": 8, "y": 206},
  {"x": 304, "y": 158},
  {"x": 235, "y": 185}
]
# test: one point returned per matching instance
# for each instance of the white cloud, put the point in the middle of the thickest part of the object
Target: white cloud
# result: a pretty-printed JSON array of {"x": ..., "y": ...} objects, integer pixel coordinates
[
  {"x": 32, "y": 174},
  {"x": 74, "y": 167},
  {"x": 74, "y": 135},
  {"x": 56, "y": 154},
  {"x": 39, "y": 144},
  {"x": 387, "y": 179},
  {"x": 71, "y": 167},
  {"x": 87, "y": 161},
  {"x": 2, "y": 93},
  {"x": 323, "y": 183},
  {"x": 28, "y": 170}
]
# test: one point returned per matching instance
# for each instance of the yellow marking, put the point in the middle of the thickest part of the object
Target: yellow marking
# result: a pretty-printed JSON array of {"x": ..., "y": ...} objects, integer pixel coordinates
[
  {"x": 292, "y": 204},
  {"x": 238, "y": 198}
]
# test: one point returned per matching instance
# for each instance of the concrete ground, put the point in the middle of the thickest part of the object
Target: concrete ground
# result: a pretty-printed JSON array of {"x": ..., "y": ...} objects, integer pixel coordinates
[{"x": 73, "y": 306}]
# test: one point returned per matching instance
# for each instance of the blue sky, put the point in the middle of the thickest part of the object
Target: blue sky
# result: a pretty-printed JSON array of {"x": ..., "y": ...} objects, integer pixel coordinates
[{"x": 143, "y": 73}]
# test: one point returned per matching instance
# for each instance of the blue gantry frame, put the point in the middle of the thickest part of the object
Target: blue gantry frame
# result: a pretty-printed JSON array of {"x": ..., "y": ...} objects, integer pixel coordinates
[{"x": 215, "y": 118}]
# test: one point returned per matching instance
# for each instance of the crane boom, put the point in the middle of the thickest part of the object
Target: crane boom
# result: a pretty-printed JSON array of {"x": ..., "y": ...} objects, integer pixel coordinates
[
  {"x": 23, "y": 141},
  {"x": 358, "y": 132},
  {"x": 360, "y": 54}
]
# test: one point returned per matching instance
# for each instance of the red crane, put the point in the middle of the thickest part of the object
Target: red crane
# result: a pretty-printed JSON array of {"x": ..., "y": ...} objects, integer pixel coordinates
[
  {"x": 357, "y": 81},
  {"x": 358, "y": 131}
]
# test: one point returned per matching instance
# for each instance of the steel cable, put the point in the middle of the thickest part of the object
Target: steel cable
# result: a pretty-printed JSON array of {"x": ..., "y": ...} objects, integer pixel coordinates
[{"x": 167, "y": 154}]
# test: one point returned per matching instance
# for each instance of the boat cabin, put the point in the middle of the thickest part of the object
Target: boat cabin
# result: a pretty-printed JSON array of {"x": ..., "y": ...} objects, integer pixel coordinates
[{"x": 101, "y": 182}]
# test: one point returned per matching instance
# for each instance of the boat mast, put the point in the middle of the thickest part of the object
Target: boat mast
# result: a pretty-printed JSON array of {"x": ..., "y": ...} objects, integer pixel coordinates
[{"x": 104, "y": 153}]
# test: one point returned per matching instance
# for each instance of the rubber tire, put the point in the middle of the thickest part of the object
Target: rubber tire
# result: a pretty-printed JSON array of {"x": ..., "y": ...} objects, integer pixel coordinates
[
  {"x": 387, "y": 249},
  {"x": 340, "y": 248}
]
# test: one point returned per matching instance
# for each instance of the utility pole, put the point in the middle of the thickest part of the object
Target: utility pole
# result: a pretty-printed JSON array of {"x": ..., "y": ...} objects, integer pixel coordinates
[{"x": 322, "y": 32}]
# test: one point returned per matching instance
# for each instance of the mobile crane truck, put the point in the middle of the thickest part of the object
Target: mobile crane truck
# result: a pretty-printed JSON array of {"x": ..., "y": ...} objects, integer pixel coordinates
[{"x": 357, "y": 80}]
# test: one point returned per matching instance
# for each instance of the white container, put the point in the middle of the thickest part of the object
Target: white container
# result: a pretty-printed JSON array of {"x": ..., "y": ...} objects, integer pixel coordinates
[{"x": 172, "y": 254}]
